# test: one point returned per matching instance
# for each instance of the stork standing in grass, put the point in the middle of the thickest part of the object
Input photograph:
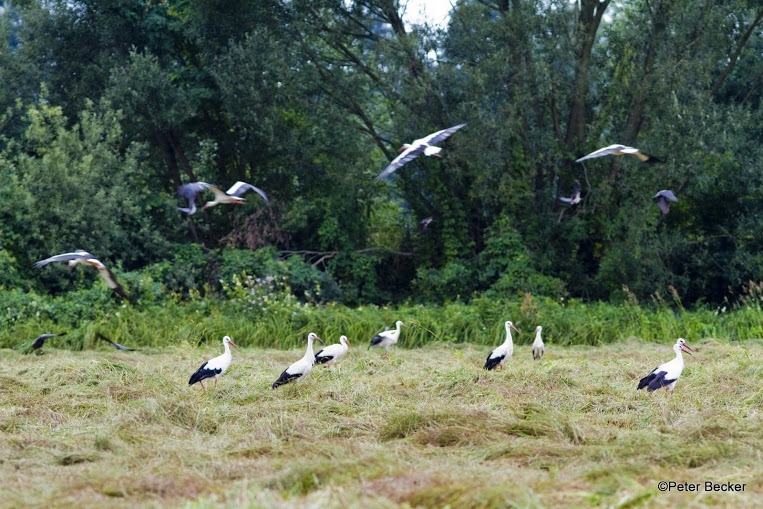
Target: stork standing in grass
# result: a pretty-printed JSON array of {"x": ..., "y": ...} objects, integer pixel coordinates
[
  {"x": 332, "y": 353},
  {"x": 387, "y": 338},
  {"x": 300, "y": 369},
  {"x": 538, "y": 344},
  {"x": 214, "y": 368},
  {"x": 666, "y": 375},
  {"x": 500, "y": 355}
]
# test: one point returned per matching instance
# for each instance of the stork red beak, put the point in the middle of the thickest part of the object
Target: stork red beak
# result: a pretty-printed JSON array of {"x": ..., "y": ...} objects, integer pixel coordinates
[
  {"x": 515, "y": 329},
  {"x": 319, "y": 339},
  {"x": 403, "y": 148},
  {"x": 685, "y": 348},
  {"x": 348, "y": 342},
  {"x": 230, "y": 341}
]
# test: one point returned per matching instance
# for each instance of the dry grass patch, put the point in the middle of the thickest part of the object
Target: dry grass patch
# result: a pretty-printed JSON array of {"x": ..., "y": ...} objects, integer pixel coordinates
[{"x": 422, "y": 428}]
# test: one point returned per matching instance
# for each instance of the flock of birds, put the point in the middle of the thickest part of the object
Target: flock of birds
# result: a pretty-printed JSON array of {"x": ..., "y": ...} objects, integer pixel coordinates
[{"x": 663, "y": 376}]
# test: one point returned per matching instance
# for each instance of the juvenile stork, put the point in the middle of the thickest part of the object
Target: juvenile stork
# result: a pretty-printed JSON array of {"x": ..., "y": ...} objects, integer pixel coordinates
[
  {"x": 619, "y": 150},
  {"x": 83, "y": 257},
  {"x": 538, "y": 344},
  {"x": 666, "y": 375},
  {"x": 332, "y": 353},
  {"x": 500, "y": 355},
  {"x": 214, "y": 368},
  {"x": 300, "y": 369},
  {"x": 411, "y": 151},
  {"x": 387, "y": 338}
]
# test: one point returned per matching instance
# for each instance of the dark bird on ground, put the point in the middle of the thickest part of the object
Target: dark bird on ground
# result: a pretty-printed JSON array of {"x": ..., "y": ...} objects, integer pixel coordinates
[
  {"x": 575, "y": 198},
  {"x": 115, "y": 345},
  {"x": 85, "y": 258},
  {"x": 232, "y": 195},
  {"x": 214, "y": 368},
  {"x": 424, "y": 225},
  {"x": 300, "y": 369},
  {"x": 666, "y": 375},
  {"x": 40, "y": 340},
  {"x": 619, "y": 150},
  {"x": 661, "y": 199},
  {"x": 421, "y": 146}
]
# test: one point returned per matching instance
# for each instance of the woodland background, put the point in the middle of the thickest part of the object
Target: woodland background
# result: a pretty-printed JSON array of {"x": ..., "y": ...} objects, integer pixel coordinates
[{"x": 107, "y": 106}]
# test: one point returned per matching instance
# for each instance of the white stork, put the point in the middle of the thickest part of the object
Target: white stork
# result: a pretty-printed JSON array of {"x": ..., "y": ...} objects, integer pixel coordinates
[
  {"x": 500, "y": 355},
  {"x": 666, "y": 375},
  {"x": 85, "y": 258},
  {"x": 300, "y": 369},
  {"x": 214, "y": 368},
  {"x": 424, "y": 146},
  {"x": 574, "y": 199},
  {"x": 332, "y": 353},
  {"x": 232, "y": 195},
  {"x": 538, "y": 344},
  {"x": 619, "y": 150},
  {"x": 387, "y": 338},
  {"x": 663, "y": 199}
]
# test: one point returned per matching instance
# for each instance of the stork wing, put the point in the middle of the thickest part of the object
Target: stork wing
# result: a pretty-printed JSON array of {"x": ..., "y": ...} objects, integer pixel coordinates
[
  {"x": 77, "y": 255},
  {"x": 189, "y": 191},
  {"x": 435, "y": 138},
  {"x": 612, "y": 149},
  {"x": 667, "y": 194},
  {"x": 408, "y": 154},
  {"x": 240, "y": 188}
]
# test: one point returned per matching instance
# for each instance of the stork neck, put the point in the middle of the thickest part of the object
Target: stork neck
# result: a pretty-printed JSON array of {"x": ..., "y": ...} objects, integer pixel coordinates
[
  {"x": 508, "y": 341},
  {"x": 309, "y": 352}
]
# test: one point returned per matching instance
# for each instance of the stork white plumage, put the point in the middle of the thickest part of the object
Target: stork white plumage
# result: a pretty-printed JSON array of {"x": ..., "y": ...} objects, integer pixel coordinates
[
  {"x": 232, "y": 195},
  {"x": 619, "y": 150},
  {"x": 666, "y": 375},
  {"x": 214, "y": 368},
  {"x": 411, "y": 151},
  {"x": 83, "y": 257},
  {"x": 538, "y": 346},
  {"x": 332, "y": 353},
  {"x": 300, "y": 369},
  {"x": 387, "y": 338},
  {"x": 502, "y": 354}
]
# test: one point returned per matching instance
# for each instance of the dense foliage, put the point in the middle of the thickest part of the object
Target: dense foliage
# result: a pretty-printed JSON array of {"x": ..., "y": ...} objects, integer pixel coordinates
[{"x": 107, "y": 107}]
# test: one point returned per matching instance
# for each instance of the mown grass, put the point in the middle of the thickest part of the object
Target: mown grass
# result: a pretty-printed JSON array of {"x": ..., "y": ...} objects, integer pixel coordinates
[{"x": 421, "y": 428}]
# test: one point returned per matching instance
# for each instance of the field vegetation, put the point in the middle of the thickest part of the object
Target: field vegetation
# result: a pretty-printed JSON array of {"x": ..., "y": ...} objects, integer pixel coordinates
[{"x": 424, "y": 427}]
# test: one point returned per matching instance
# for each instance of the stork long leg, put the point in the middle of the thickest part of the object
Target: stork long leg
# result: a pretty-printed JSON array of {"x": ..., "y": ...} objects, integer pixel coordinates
[{"x": 202, "y": 386}]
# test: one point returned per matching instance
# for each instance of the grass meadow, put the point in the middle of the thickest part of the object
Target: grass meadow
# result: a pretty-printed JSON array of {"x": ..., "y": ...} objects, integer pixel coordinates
[{"x": 423, "y": 427}]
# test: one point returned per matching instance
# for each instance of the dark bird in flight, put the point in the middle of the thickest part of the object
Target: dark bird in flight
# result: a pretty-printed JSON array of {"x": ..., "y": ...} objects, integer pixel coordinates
[
  {"x": 85, "y": 258},
  {"x": 424, "y": 225},
  {"x": 421, "y": 146},
  {"x": 619, "y": 150},
  {"x": 115, "y": 345},
  {"x": 663, "y": 199},
  {"x": 40, "y": 340}
]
